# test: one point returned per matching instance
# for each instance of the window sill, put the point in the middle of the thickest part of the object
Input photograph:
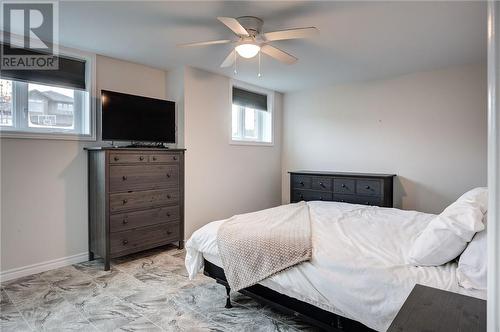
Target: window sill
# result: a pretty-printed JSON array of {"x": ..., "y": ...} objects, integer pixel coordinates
[
  {"x": 253, "y": 143},
  {"x": 46, "y": 136}
]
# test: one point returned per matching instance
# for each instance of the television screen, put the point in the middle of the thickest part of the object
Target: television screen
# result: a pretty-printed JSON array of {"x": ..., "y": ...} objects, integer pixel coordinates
[{"x": 133, "y": 118}]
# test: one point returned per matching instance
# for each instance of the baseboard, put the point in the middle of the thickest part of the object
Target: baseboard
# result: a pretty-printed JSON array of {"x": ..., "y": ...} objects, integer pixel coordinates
[{"x": 42, "y": 267}]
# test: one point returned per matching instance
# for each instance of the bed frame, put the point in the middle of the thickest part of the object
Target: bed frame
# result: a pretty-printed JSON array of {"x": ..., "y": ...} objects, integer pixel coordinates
[{"x": 313, "y": 315}]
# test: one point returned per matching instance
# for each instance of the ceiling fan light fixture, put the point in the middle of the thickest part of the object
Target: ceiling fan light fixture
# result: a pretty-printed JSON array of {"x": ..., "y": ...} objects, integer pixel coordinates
[{"x": 247, "y": 50}]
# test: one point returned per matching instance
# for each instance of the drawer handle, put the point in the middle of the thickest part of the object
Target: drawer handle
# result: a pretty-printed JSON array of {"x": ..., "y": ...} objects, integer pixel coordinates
[
  {"x": 367, "y": 187},
  {"x": 175, "y": 157},
  {"x": 124, "y": 201},
  {"x": 124, "y": 178},
  {"x": 154, "y": 158},
  {"x": 125, "y": 242},
  {"x": 169, "y": 232},
  {"x": 168, "y": 196},
  {"x": 322, "y": 184},
  {"x": 168, "y": 214},
  {"x": 301, "y": 183},
  {"x": 125, "y": 221},
  {"x": 116, "y": 158},
  {"x": 141, "y": 158},
  {"x": 343, "y": 185},
  {"x": 168, "y": 175}
]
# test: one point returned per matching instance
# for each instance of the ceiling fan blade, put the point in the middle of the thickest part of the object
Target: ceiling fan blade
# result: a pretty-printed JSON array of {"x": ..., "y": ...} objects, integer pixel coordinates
[
  {"x": 278, "y": 54},
  {"x": 211, "y": 42},
  {"x": 234, "y": 25},
  {"x": 291, "y": 34},
  {"x": 229, "y": 60}
]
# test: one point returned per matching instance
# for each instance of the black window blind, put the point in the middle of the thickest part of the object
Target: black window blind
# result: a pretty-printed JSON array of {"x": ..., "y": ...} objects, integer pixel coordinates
[
  {"x": 70, "y": 72},
  {"x": 249, "y": 99}
]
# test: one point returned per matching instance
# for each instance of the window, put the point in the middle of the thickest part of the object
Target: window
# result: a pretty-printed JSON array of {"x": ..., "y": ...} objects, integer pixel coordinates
[
  {"x": 6, "y": 103},
  {"x": 48, "y": 103},
  {"x": 41, "y": 108},
  {"x": 251, "y": 117}
]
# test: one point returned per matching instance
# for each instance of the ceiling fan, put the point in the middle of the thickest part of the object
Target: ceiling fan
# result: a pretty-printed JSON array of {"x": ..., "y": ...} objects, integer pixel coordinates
[{"x": 251, "y": 40}]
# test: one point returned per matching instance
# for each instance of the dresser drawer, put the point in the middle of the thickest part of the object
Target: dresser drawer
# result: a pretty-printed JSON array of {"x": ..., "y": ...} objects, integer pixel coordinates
[
  {"x": 321, "y": 183},
  {"x": 142, "y": 177},
  {"x": 369, "y": 187},
  {"x": 126, "y": 240},
  {"x": 142, "y": 199},
  {"x": 309, "y": 195},
  {"x": 301, "y": 182},
  {"x": 127, "y": 158},
  {"x": 124, "y": 221},
  {"x": 164, "y": 158},
  {"x": 369, "y": 200},
  {"x": 353, "y": 199},
  {"x": 344, "y": 186}
]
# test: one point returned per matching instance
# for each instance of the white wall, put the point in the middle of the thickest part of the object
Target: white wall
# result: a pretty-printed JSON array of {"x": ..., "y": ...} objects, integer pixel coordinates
[
  {"x": 429, "y": 128},
  {"x": 128, "y": 77},
  {"x": 44, "y": 201},
  {"x": 44, "y": 182},
  {"x": 223, "y": 179},
  {"x": 175, "y": 92}
]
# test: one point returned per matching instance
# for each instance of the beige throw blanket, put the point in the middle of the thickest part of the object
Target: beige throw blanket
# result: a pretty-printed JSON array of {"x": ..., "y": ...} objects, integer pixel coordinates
[{"x": 256, "y": 245}]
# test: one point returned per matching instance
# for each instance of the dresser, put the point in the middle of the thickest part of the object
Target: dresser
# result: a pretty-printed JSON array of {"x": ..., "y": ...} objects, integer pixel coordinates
[
  {"x": 136, "y": 200},
  {"x": 355, "y": 188}
]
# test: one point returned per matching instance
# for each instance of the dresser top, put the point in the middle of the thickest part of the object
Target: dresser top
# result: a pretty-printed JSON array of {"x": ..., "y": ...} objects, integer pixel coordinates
[
  {"x": 100, "y": 148},
  {"x": 344, "y": 174}
]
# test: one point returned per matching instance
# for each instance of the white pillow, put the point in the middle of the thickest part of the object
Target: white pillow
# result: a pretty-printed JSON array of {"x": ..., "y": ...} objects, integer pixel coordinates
[
  {"x": 478, "y": 196},
  {"x": 472, "y": 265},
  {"x": 446, "y": 236}
]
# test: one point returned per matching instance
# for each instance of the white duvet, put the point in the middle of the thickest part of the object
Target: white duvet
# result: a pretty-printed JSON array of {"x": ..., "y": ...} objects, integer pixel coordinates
[{"x": 358, "y": 265}]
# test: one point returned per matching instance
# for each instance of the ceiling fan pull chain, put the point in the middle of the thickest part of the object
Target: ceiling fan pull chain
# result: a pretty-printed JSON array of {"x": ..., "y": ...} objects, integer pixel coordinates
[
  {"x": 259, "y": 75},
  {"x": 235, "y": 58}
]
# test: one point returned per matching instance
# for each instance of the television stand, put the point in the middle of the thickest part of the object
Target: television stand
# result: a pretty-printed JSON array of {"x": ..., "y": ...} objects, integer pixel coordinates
[{"x": 136, "y": 200}]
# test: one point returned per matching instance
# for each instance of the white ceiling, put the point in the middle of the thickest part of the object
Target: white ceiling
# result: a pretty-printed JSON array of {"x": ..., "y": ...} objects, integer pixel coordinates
[{"x": 357, "y": 41}]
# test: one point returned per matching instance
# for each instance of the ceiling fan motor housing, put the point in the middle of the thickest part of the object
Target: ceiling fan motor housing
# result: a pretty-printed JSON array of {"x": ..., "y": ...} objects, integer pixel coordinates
[{"x": 252, "y": 24}]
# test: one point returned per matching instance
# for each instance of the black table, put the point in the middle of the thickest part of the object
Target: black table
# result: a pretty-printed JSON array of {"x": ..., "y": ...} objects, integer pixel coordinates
[{"x": 430, "y": 309}]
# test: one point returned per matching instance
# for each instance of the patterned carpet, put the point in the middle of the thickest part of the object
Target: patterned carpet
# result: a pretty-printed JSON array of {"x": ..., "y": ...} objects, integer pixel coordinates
[{"x": 144, "y": 292}]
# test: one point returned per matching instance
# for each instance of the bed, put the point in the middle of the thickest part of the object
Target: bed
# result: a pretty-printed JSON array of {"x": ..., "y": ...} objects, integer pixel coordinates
[{"x": 357, "y": 272}]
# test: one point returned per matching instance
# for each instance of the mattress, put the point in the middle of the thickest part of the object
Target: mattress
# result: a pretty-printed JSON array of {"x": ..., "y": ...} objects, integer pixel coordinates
[{"x": 358, "y": 267}]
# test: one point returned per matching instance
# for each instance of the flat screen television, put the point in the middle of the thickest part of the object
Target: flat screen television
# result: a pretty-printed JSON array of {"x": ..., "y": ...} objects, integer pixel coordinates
[{"x": 134, "y": 118}]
